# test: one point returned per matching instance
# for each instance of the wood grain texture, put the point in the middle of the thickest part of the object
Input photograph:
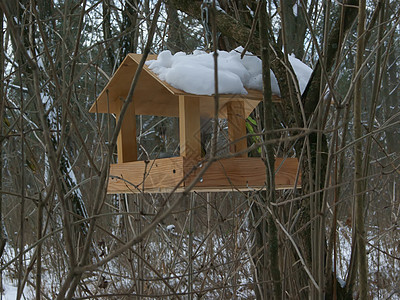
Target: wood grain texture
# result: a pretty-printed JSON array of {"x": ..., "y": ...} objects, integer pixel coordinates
[
  {"x": 126, "y": 142},
  {"x": 138, "y": 176},
  {"x": 237, "y": 127},
  {"x": 162, "y": 175},
  {"x": 246, "y": 173},
  {"x": 189, "y": 127}
]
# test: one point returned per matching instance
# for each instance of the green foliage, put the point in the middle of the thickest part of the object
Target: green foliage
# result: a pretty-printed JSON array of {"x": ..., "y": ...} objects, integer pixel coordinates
[{"x": 251, "y": 126}]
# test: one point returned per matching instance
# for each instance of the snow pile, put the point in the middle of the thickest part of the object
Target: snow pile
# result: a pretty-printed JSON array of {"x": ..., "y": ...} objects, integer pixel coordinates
[
  {"x": 194, "y": 73},
  {"x": 10, "y": 291}
]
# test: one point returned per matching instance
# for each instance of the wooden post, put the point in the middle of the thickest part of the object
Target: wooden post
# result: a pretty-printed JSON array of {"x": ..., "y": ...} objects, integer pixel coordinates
[
  {"x": 189, "y": 126},
  {"x": 237, "y": 127},
  {"x": 126, "y": 143}
]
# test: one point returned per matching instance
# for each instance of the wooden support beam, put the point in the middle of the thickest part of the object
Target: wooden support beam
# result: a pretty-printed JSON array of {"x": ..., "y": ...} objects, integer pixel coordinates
[
  {"x": 237, "y": 127},
  {"x": 126, "y": 143},
  {"x": 189, "y": 127}
]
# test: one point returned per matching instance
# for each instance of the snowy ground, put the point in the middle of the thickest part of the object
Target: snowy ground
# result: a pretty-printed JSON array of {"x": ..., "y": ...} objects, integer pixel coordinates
[{"x": 10, "y": 291}]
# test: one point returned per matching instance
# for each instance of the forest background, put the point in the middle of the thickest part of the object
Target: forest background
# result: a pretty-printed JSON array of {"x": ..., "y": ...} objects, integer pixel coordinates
[{"x": 335, "y": 237}]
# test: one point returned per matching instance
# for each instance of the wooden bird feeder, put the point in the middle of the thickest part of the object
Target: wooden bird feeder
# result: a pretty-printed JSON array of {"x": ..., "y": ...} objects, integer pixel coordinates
[{"x": 153, "y": 96}]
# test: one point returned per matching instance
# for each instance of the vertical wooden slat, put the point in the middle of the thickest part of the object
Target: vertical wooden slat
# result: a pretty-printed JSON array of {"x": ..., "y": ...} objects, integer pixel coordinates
[
  {"x": 126, "y": 143},
  {"x": 189, "y": 126},
  {"x": 237, "y": 126}
]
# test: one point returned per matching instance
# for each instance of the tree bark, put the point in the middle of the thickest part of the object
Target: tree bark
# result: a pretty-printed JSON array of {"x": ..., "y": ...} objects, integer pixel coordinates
[
  {"x": 107, "y": 32},
  {"x": 295, "y": 27},
  {"x": 129, "y": 41},
  {"x": 268, "y": 153},
  {"x": 175, "y": 40},
  {"x": 358, "y": 156}
]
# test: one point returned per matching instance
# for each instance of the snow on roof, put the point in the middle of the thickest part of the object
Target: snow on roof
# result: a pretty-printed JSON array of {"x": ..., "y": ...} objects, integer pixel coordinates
[{"x": 194, "y": 73}]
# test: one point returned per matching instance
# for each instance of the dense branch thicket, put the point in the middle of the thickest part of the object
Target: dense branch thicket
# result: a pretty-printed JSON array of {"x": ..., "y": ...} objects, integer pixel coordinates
[{"x": 334, "y": 237}]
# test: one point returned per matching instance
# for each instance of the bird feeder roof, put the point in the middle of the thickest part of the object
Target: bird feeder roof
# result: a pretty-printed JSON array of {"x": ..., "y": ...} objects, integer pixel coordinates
[{"x": 153, "y": 96}]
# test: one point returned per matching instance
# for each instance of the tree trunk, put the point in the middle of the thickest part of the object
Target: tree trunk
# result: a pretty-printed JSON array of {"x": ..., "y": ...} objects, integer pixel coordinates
[
  {"x": 2, "y": 123},
  {"x": 129, "y": 41},
  {"x": 358, "y": 156},
  {"x": 268, "y": 153},
  {"x": 107, "y": 32}
]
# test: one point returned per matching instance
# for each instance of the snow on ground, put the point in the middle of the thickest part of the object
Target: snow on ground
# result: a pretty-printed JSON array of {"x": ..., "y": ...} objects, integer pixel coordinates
[
  {"x": 10, "y": 291},
  {"x": 194, "y": 73}
]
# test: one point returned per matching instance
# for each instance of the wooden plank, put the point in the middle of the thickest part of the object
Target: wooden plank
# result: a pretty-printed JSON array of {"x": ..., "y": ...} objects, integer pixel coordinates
[
  {"x": 157, "y": 175},
  {"x": 163, "y": 175},
  {"x": 222, "y": 189},
  {"x": 126, "y": 143},
  {"x": 245, "y": 173},
  {"x": 189, "y": 127},
  {"x": 237, "y": 127},
  {"x": 111, "y": 93}
]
